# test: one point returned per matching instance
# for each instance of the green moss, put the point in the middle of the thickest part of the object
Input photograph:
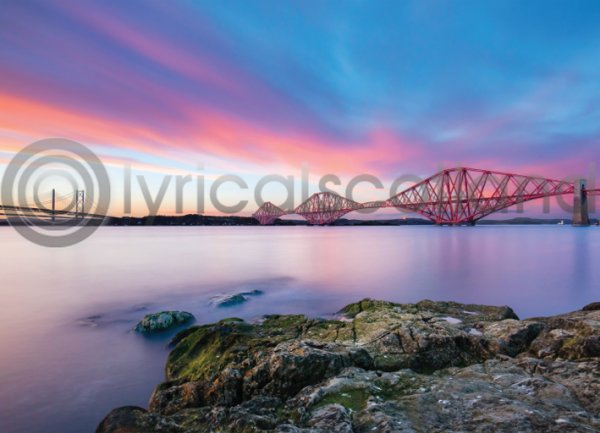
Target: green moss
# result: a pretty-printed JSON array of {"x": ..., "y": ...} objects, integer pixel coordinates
[
  {"x": 208, "y": 349},
  {"x": 354, "y": 399},
  {"x": 202, "y": 352},
  {"x": 390, "y": 362},
  {"x": 284, "y": 414},
  {"x": 327, "y": 330},
  {"x": 571, "y": 342},
  {"x": 403, "y": 385},
  {"x": 572, "y": 348},
  {"x": 284, "y": 322},
  {"x": 366, "y": 304},
  {"x": 182, "y": 334}
]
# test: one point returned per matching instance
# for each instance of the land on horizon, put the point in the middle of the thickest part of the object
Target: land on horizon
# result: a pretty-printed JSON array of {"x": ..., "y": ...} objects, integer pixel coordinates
[
  {"x": 218, "y": 220},
  {"x": 197, "y": 219},
  {"x": 209, "y": 220}
]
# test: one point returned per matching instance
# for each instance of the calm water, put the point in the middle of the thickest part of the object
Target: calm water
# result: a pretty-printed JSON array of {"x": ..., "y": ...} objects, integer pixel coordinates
[{"x": 62, "y": 371}]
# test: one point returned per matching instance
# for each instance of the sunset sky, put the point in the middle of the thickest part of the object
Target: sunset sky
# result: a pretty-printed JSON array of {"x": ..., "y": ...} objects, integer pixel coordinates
[{"x": 266, "y": 87}]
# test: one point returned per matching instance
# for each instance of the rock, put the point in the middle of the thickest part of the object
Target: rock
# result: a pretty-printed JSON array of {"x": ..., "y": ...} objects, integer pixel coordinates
[
  {"x": 513, "y": 336},
  {"x": 131, "y": 419},
  {"x": 162, "y": 321},
  {"x": 374, "y": 369},
  {"x": 572, "y": 336},
  {"x": 493, "y": 396},
  {"x": 333, "y": 418},
  {"x": 592, "y": 307},
  {"x": 230, "y": 300}
]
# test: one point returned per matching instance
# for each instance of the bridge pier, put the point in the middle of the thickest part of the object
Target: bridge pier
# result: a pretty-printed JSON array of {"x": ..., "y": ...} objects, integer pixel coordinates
[{"x": 580, "y": 205}]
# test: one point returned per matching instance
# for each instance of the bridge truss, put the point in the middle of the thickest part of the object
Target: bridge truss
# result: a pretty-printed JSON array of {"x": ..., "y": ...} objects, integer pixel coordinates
[{"x": 453, "y": 196}]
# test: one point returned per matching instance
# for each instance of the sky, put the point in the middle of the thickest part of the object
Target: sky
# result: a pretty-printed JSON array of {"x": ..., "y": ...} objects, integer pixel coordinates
[{"x": 254, "y": 88}]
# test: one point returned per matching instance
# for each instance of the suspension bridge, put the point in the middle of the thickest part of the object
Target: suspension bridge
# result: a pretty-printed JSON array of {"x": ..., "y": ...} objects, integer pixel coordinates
[
  {"x": 57, "y": 209},
  {"x": 456, "y": 196}
]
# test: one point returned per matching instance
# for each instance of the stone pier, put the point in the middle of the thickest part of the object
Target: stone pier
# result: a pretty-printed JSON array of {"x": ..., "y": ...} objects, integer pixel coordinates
[{"x": 580, "y": 205}]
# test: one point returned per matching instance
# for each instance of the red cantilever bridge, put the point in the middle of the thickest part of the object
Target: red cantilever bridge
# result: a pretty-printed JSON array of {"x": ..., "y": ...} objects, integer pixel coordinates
[{"x": 451, "y": 197}]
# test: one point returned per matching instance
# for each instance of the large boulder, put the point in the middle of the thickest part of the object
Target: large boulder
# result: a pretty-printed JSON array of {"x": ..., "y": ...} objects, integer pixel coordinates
[{"x": 379, "y": 367}]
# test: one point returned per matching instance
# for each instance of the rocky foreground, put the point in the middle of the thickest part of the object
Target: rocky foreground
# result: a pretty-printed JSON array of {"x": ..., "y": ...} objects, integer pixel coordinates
[{"x": 380, "y": 367}]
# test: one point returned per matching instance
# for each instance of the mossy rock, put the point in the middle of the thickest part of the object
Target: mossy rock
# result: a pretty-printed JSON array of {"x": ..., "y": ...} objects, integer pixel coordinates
[
  {"x": 376, "y": 369},
  {"x": 207, "y": 349},
  {"x": 367, "y": 304},
  {"x": 162, "y": 321}
]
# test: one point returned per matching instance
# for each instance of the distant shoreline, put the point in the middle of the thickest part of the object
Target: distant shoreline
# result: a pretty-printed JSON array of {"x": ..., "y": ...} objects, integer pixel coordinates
[{"x": 206, "y": 220}]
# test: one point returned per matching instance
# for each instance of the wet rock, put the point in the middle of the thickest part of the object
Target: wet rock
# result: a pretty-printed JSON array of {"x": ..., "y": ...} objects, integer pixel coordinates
[
  {"x": 162, "y": 321},
  {"x": 380, "y": 367},
  {"x": 131, "y": 419},
  {"x": 90, "y": 321},
  {"x": 230, "y": 300},
  {"x": 171, "y": 397}
]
